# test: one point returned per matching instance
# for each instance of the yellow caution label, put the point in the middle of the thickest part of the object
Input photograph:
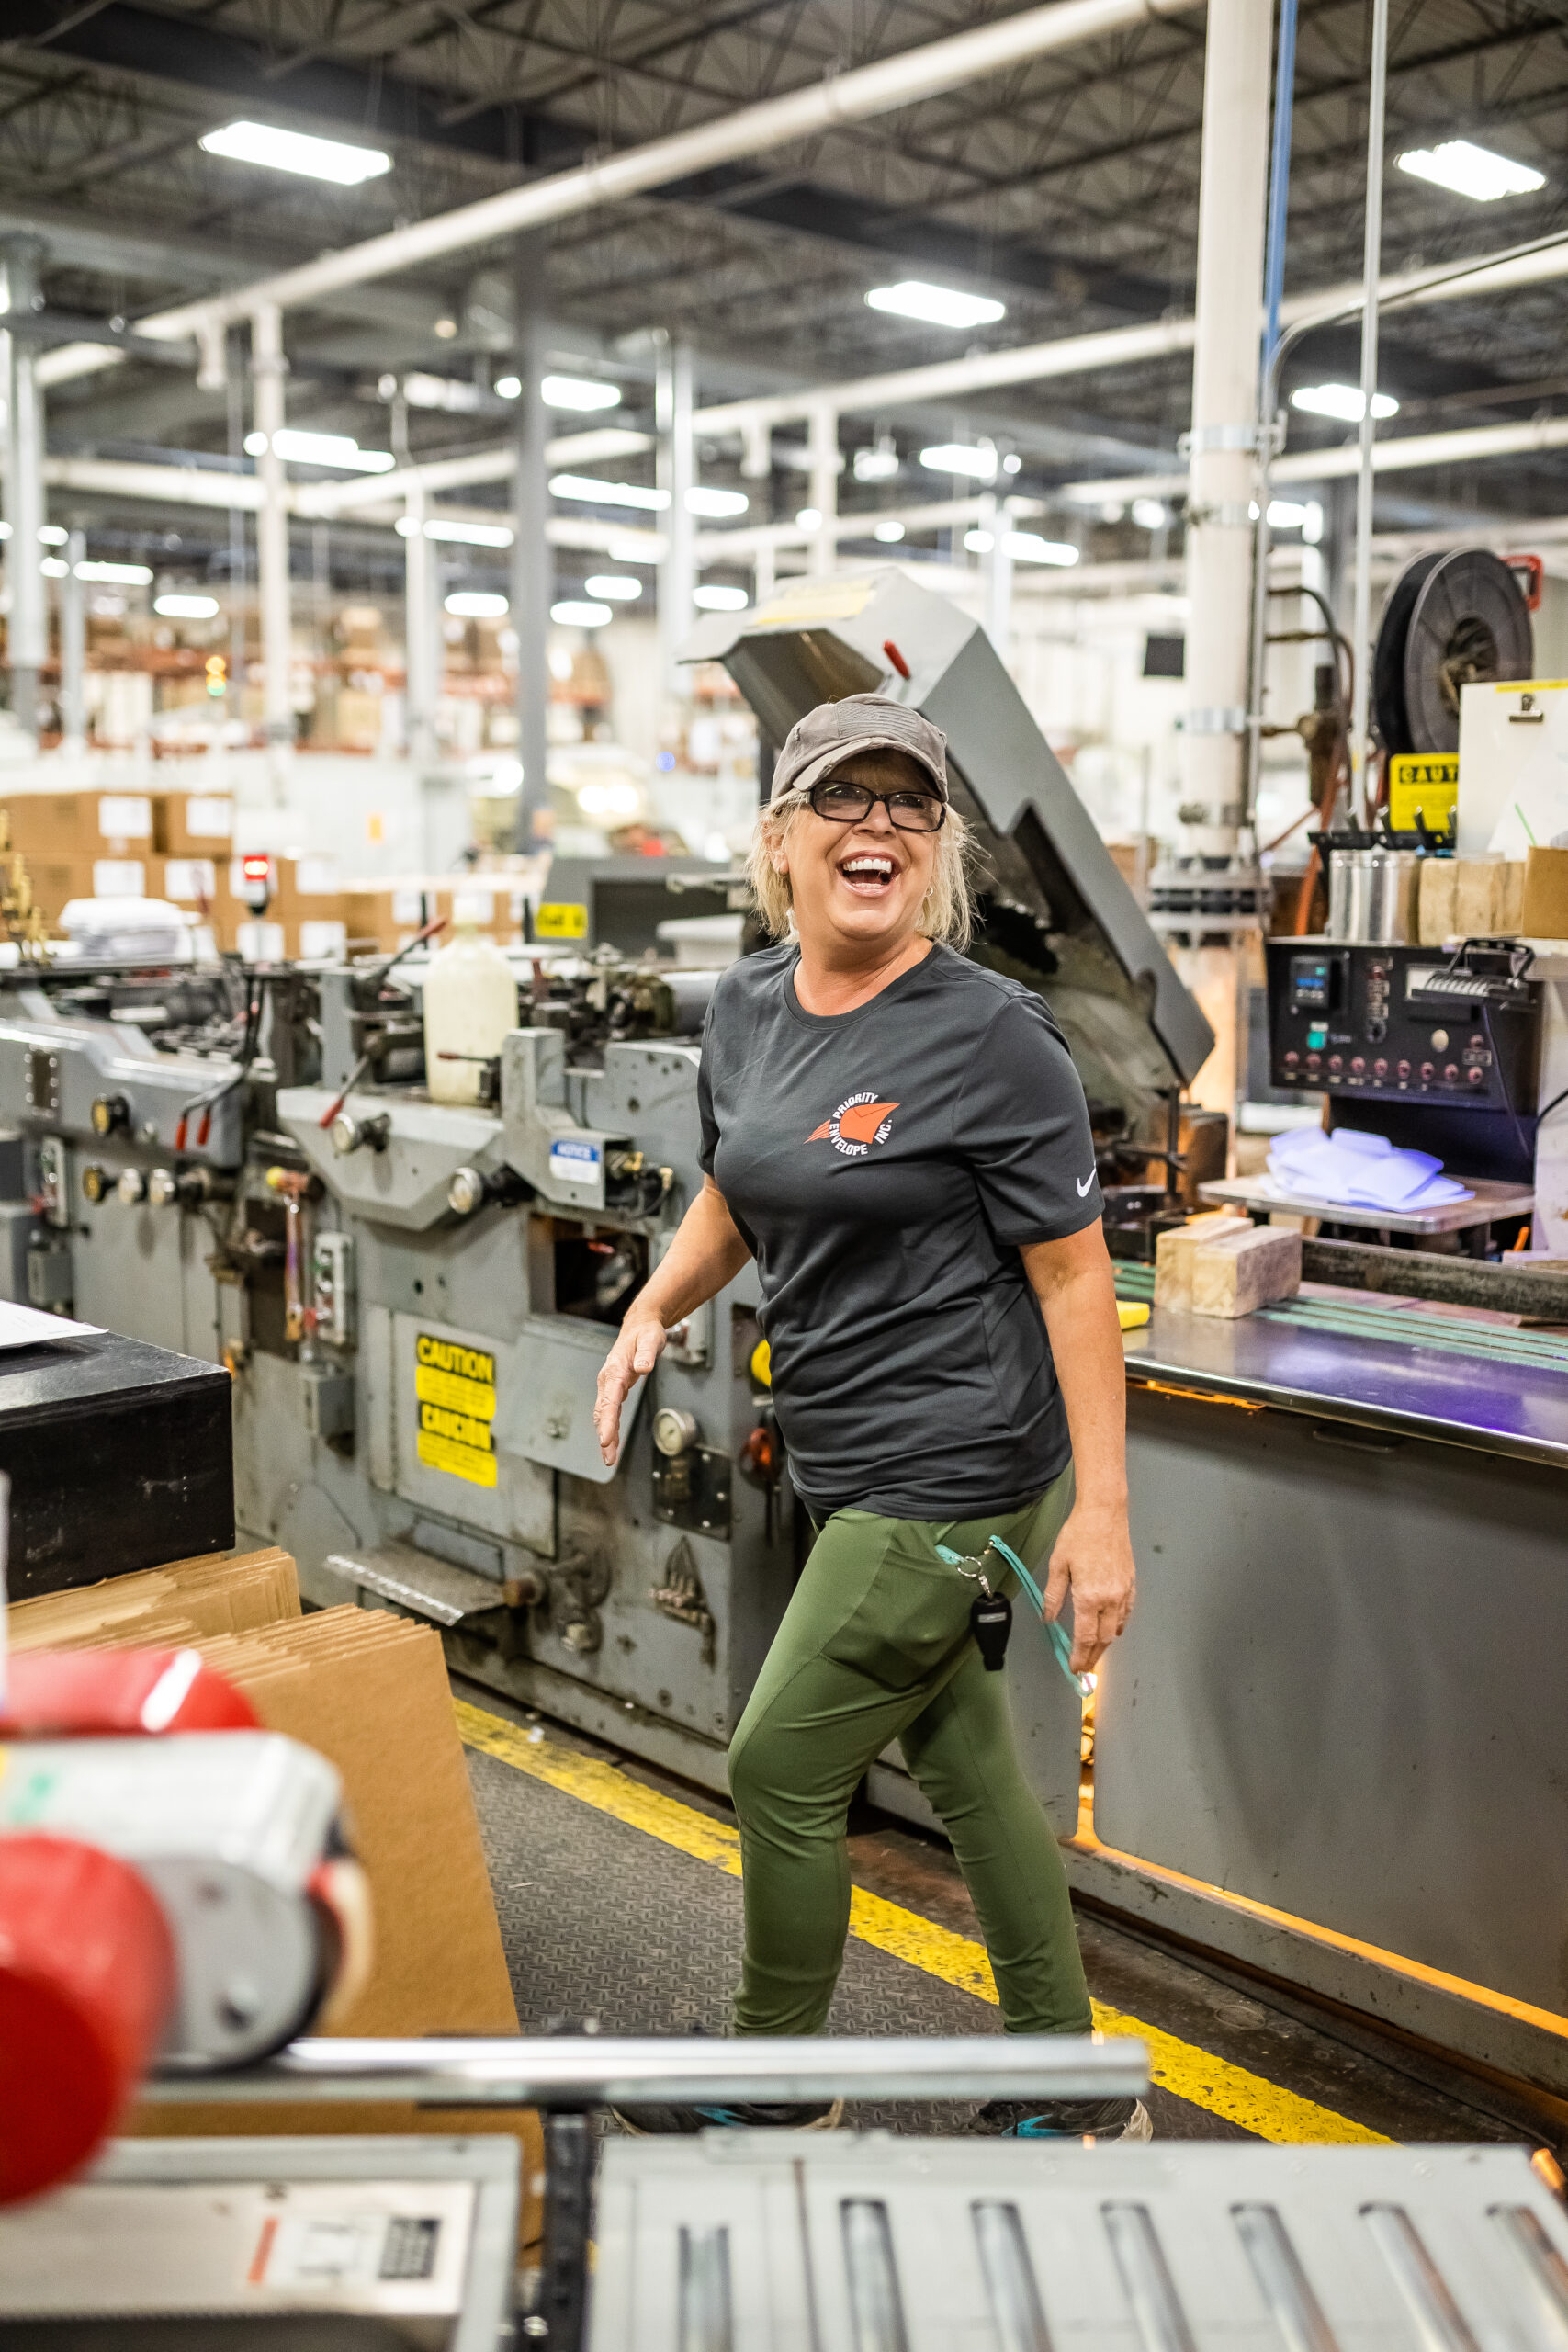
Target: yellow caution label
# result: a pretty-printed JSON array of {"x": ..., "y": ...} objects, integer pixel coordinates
[
  {"x": 563, "y": 920},
  {"x": 1423, "y": 785},
  {"x": 763, "y": 1364},
  {"x": 839, "y": 602},
  {"x": 455, "y": 1394}
]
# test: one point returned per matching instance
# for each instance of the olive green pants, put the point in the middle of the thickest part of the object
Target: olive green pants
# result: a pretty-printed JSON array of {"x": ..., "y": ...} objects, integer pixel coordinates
[{"x": 875, "y": 1646}]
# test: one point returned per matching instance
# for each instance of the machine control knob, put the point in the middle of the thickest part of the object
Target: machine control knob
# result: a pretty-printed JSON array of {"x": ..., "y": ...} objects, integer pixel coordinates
[
  {"x": 674, "y": 1430},
  {"x": 1379, "y": 1068},
  {"x": 1292, "y": 1059},
  {"x": 1402, "y": 1069},
  {"x": 109, "y": 1111},
  {"x": 1336, "y": 1062},
  {"x": 351, "y": 1134},
  {"x": 1312, "y": 1060},
  {"x": 1428, "y": 1071},
  {"x": 96, "y": 1184},
  {"x": 1439, "y": 1040},
  {"x": 1451, "y": 1072},
  {"x": 1357, "y": 1063},
  {"x": 131, "y": 1187},
  {"x": 466, "y": 1193},
  {"x": 162, "y": 1188},
  {"x": 1477, "y": 1077}
]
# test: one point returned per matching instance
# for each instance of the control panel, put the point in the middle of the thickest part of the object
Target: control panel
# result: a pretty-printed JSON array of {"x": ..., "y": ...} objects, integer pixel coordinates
[{"x": 1394, "y": 1024}]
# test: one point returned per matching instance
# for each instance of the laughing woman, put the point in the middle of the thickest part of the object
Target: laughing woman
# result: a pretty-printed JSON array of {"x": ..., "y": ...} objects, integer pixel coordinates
[{"x": 899, "y": 1138}]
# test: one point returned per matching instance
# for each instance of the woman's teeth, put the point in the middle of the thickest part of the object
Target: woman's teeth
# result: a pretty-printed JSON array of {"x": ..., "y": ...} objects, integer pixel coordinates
[{"x": 867, "y": 873}]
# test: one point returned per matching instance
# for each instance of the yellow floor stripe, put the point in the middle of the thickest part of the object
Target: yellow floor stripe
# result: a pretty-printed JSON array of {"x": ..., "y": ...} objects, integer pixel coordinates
[{"x": 1179, "y": 2067}]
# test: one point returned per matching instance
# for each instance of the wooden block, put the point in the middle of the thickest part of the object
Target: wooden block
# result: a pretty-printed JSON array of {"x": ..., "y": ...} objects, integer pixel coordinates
[
  {"x": 1508, "y": 910},
  {"x": 1478, "y": 881},
  {"x": 1235, "y": 1273},
  {"x": 1436, "y": 922},
  {"x": 1174, "y": 1253}
]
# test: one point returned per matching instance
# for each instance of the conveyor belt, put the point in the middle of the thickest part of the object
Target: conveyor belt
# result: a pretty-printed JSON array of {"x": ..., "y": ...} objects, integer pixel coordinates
[{"x": 1407, "y": 1327}]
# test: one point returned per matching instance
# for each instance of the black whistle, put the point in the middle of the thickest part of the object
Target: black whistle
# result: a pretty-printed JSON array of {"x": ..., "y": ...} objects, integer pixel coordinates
[{"x": 991, "y": 1621}]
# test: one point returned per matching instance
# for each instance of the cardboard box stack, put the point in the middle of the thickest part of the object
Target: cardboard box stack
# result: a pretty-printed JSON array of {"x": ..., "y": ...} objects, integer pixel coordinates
[
  {"x": 386, "y": 915},
  {"x": 178, "y": 1606},
  {"x": 124, "y": 844}
]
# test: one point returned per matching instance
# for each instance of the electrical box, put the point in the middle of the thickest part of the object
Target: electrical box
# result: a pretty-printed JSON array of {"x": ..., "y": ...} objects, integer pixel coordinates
[{"x": 332, "y": 1281}]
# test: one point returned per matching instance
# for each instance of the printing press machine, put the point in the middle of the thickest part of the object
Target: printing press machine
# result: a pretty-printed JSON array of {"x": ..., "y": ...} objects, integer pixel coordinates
[{"x": 1330, "y": 1748}]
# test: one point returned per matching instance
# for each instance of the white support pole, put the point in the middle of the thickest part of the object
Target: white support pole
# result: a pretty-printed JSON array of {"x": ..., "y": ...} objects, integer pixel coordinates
[
  {"x": 998, "y": 567},
  {"x": 822, "y": 446},
  {"x": 73, "y": 651},
  {"x": 533, "y": 558},
  {"x": 27, "y": 625},
  {"x": 1362, "y": 627},
  {"x": 677, "y": 467},
  {"x": 268, "y": 372},
  {"x": 419, "y": 632}
]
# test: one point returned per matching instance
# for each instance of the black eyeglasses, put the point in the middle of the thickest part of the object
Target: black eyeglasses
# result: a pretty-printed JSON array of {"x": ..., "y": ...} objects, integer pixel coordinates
[{"x": 845, "y": 804}]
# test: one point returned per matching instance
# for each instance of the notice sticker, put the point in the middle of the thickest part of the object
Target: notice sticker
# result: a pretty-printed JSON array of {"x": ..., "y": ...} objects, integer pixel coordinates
[
  {"x": 454, "y": 1394},
  {"x": 563, "y": 920},
  {"x": 573, "y": 1161}
]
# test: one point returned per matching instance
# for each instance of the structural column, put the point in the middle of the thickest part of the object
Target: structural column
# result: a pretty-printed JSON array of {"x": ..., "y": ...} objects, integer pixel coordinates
[
  {"x": 822, "y": 448},
  {"x": 74, "y": 650},
  {"x": 532, "y": 563},
  {"x": 677, "y": 477},
  {"x": 29, "y": 620},
  {"x": 268, "y": 372},
  {"x": 419, "y": 631}
]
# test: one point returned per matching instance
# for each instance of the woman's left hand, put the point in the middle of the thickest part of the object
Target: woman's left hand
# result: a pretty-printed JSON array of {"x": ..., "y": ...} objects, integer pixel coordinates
[{"x": 1093, "y": 1560}]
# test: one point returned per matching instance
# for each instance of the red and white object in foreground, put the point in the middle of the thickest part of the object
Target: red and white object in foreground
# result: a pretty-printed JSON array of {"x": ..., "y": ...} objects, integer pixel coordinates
[{"x": 175, "y": 1894}]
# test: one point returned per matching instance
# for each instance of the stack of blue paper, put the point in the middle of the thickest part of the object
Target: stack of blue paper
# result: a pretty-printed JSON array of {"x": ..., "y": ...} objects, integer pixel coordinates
[{"x": 1362, "y": 1170}]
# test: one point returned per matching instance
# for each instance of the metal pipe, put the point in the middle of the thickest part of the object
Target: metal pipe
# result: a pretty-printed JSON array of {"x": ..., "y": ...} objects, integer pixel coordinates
[
  {"x": 677, "y": 571},
  {"x": 74, "y": 650},
  {"x": 419, "y": 633},
  {"x": 605, "y": 2070},
  {"x": 533, "y": 564},
  {"x": 1279, "y": 180},
  {"x": 1361, "y": 626},
  {"x": 27, "y": 624},
  {"x": 839, "y": 99},
  {"x": 268, "y": 370},
  {"x": 496, "y": 463},
  {"x": 1470, "y": 444},
  {"x": 822, "y": 448},
  {"x": 1273, "y": 293}
]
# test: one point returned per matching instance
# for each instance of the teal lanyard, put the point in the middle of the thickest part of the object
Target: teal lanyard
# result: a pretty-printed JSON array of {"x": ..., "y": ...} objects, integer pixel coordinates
[{"x": 1061, "y": 1647}]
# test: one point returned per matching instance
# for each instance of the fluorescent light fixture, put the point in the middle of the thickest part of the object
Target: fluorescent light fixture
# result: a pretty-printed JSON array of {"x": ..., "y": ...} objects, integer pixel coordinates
[
  {"x": 54, "y": 567},
  {"x": 608, "y": 493},
  {"x": 177, "y": 606},
  {"x": 717, "y": 504},
  {"x": 613, "y": 587},
  {"x": 464, "y": 535},
  {"x": 574, "y": 613},
  {"x": 51, "y": 536},
  {"x": 935, "y": 306},
  {"x": 293, "y": 151},
  {"x": 888, "y": 533},
  {"x": 1284, "y": 515},
  {"x": 719, "y": 600},
  {"x": 1342, "y": 402},
  {"x": 445, "y": 329},
  {"x": 1470, "y": 171},
  {"x": 477, "y": 604},
  {"x": 450, "y": 392},
  {"x": 119, "y": 575},
  {"x": 579, "y": 392},
  {"x": 958, "y": 457},
  {"x": 1027, "y": 547},
  {"x": 808, "y": 518},
  {"x": 339, "y": 450},
  {"x": 509, "y": 387},
  {"x": 1150, "y": 513},
  {"x": 876, "y": 465},
  {"x": 978, "y": 542},
  {"x": 1012, "y": 463}
]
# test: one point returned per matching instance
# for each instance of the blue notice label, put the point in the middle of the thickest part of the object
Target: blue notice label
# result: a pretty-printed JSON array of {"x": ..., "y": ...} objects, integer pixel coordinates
[{"x": 573, "y": 1161}]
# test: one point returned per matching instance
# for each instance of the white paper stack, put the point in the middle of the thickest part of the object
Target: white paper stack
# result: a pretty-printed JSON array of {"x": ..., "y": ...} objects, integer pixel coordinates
[{"x": 1361, "y": 1171}]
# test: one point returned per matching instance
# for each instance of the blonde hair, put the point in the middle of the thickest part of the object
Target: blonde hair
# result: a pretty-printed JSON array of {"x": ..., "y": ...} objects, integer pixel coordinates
[{"x": 946, "y": 913}]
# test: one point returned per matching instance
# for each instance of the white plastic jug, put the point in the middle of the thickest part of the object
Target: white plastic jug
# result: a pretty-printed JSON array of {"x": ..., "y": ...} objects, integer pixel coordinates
[{"x": 470, "y": 1004}]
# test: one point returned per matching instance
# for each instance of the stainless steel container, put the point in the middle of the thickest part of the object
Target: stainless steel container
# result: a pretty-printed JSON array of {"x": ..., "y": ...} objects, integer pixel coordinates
[
  {"x": 1349, "y": 892},
  {"x": 1394, "y": 880}
]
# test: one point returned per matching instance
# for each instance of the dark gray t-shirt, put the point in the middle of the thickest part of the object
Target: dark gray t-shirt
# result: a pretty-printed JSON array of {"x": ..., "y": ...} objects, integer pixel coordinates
[{"x": 884, "y": 1166}]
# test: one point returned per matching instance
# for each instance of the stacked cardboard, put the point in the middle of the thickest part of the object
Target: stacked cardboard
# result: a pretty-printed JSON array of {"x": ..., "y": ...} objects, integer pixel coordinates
[
  {"x": 386, "y": 914},
  {"x": 122, "y": 845},
  {"x": 1470, "y": 898},
  {"x": 179, "y": 1606}
]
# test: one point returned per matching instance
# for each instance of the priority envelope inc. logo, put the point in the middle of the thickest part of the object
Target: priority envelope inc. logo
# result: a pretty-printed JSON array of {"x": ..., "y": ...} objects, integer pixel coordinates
[{"x": 859, "y": 1121}]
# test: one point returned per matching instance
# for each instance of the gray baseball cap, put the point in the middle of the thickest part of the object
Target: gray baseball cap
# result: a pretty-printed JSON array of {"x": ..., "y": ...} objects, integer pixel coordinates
[{"x": 835, "y": 731}]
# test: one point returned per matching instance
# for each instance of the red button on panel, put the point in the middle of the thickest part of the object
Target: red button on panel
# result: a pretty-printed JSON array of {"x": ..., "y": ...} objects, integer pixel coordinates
[
  {"x": 1358, "y": 1061},
  {"x": 1451, "y": 1072},
  {"x": 1292, "y": 1059},
  {"x": 1379, "y": 1068},
  {"x": 1402, "y": 1069},
  {"x": 1312, "y": 1060},
  {"x": 1478, "y": 1077},
  {"x": 1428, "y": 1071},
  {"x": 1336, "y": 1061}
]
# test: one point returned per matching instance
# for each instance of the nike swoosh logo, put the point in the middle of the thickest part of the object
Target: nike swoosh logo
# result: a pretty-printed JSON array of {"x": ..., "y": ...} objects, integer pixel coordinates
[{"x": 1083, "y": 1188}]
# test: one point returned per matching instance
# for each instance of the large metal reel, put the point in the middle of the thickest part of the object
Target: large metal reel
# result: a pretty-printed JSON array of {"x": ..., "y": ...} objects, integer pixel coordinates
[
  {"x": 1469, "y": 625},
  {"x": 1388, "y": 657}
]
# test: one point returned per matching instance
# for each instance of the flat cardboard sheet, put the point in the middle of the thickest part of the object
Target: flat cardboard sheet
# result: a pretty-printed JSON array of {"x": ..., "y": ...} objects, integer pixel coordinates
[{"x": 30, "y": 1327}]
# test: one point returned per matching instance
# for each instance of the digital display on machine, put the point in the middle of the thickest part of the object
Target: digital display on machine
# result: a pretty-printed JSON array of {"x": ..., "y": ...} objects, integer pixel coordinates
[{"x": 1310, "y": 982}]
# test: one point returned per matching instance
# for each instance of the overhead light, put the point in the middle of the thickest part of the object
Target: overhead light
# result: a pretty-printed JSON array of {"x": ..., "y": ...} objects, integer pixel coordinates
[
  {"x": 1150, "y": 513},
  {"x": 1341, "y": 401},
  {"x": 572, "y": 613},
  {"x": 477, "y": 604},
  {"x": 51, "y": 536},
  {"x": 978, "y": 542},
  {"x": 1012, "y": 463},
  {"x": 294, "y": 151},
  {"x": 335, "y": 449},
  {"x": 958, "y": 457},
  {"x": 508, "y": 388},
  {"x": 445, "y": 329},
  {"x": 1470, "y": 171},
  {"x": 719, "y": 600},
  {"x": 608, "y": 493},
  {"x": 808, "y": 518},
  {"x": 888, "y": 533},
  {"x": 1284, "y": 515},
  {"x": 876, "y": 465},
  {"x": 183, "y": 607},
  {"x": 464, "y": 534},
  {"x": 453, "y": 394},
  {"x": 1027, "y": 547},
  {"x": 573, "y": 391},
  {"x": 935, "y": 306},
  {"x": 716, "y": 502},
  {"x": 617, "y": 587},
  {"x": 54, "y": 567},
  {"x": 119, "y": 575}
]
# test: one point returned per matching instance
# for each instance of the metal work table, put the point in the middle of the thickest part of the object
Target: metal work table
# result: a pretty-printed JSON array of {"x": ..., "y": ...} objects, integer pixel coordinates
[{"x": 1492, "y": 1204}]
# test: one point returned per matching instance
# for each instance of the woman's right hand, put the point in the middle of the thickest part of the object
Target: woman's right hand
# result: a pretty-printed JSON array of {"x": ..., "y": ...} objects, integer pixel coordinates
[{"x": 638, "y": 1346}]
